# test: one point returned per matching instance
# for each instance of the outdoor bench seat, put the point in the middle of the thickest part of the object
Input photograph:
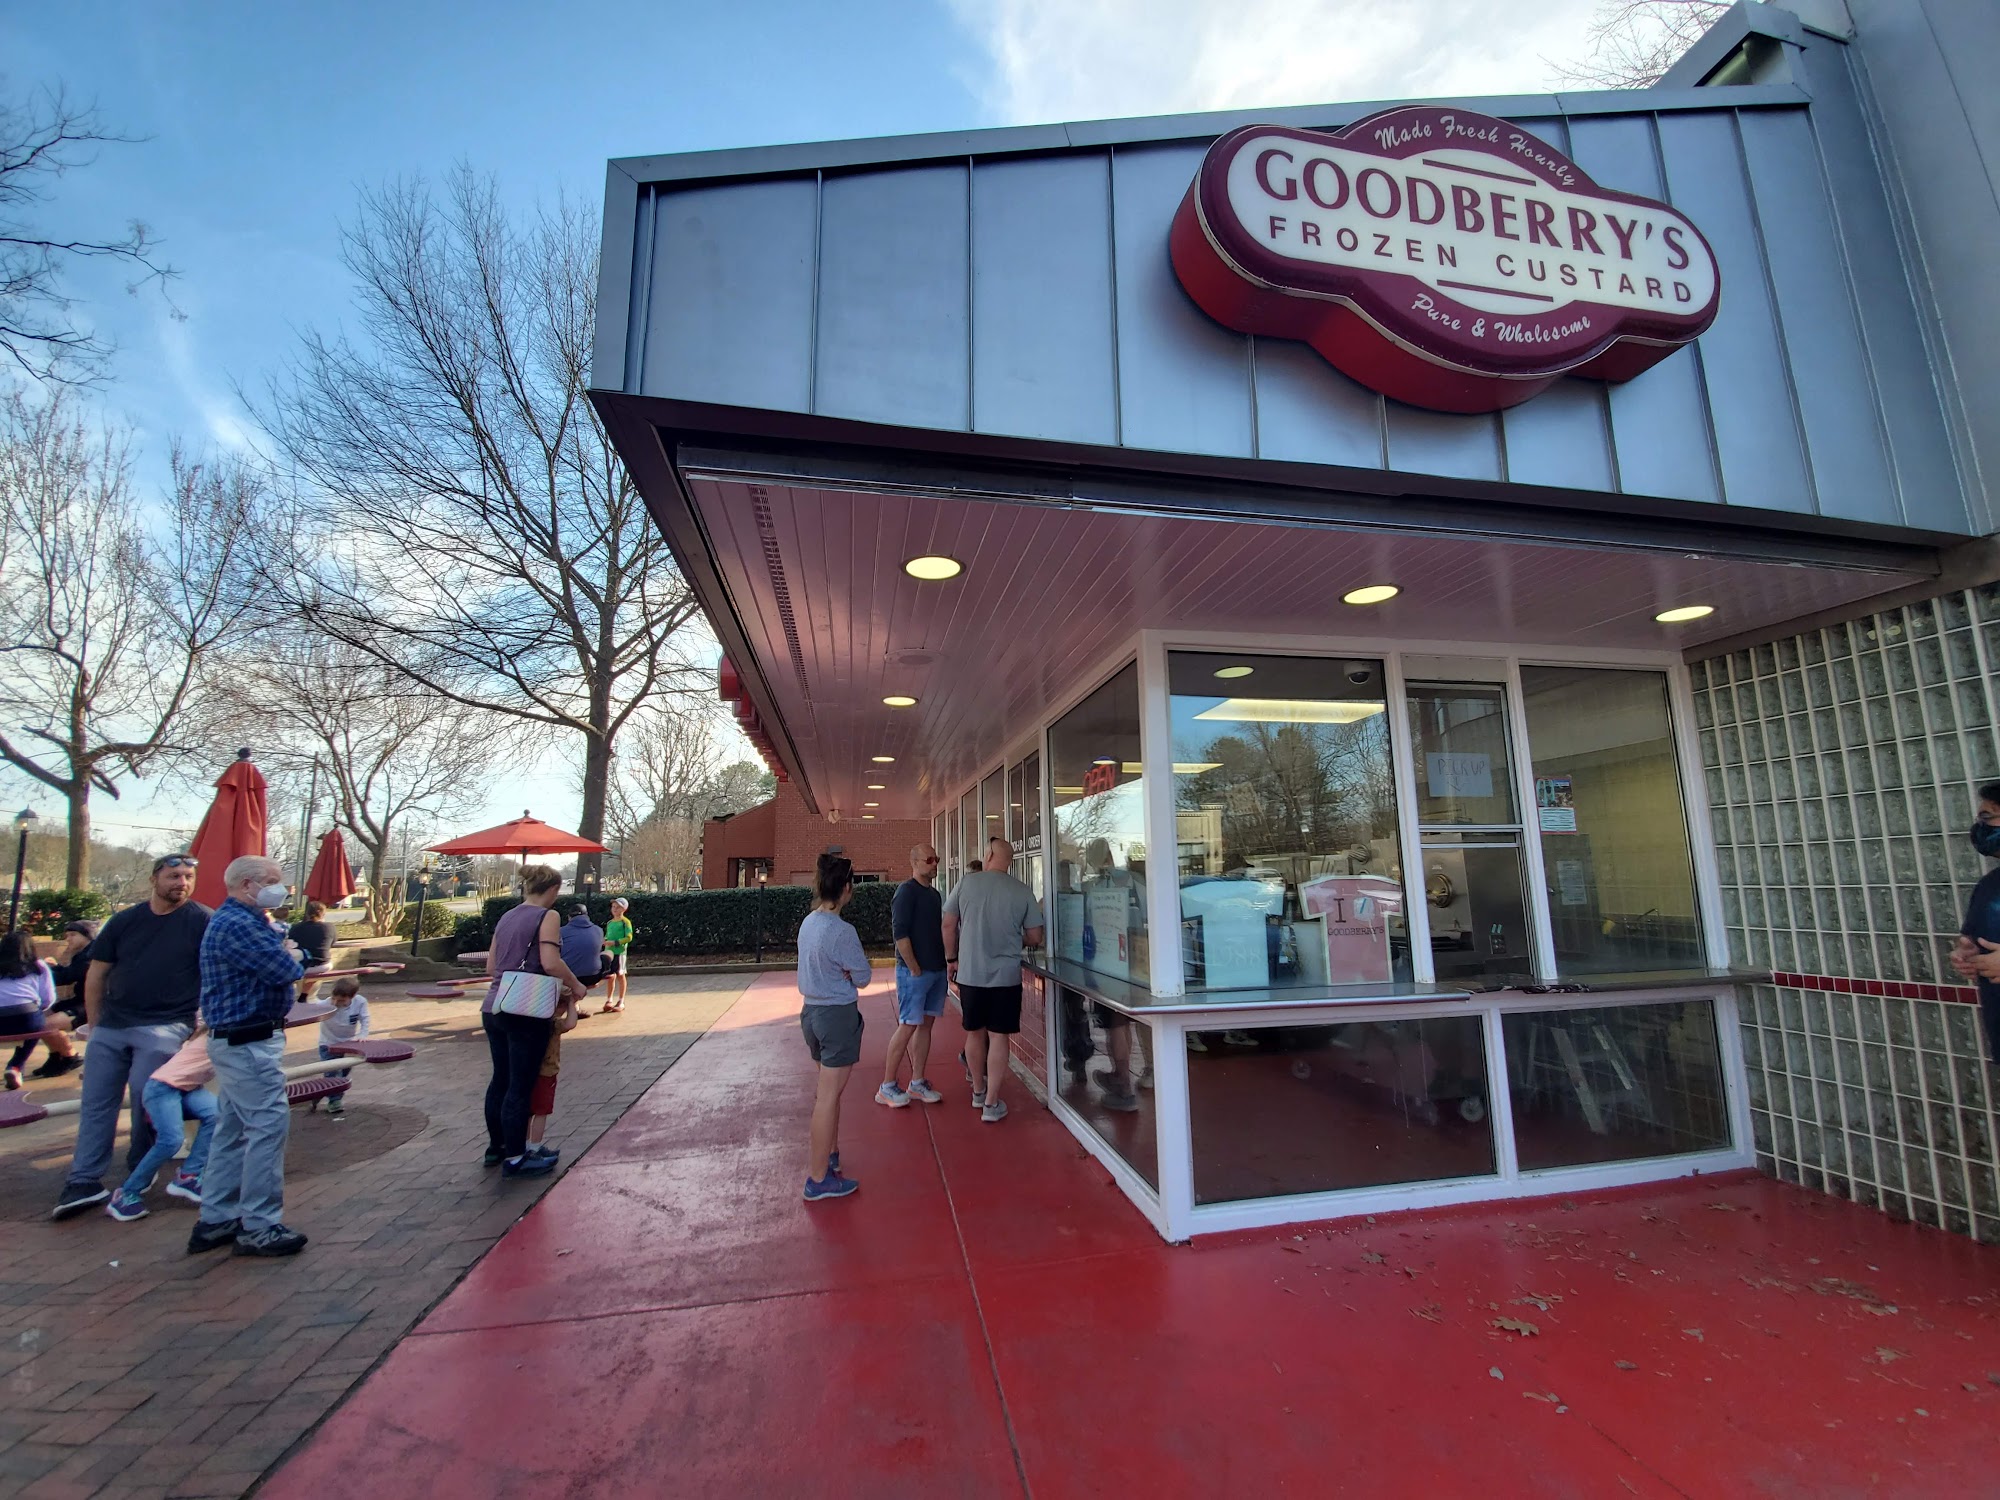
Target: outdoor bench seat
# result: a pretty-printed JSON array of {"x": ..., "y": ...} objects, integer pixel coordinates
[
  {"x": 16, "y": 1108},
  {"x": 310, "y": 1091},
  {"x": 371, "y": 1051}
]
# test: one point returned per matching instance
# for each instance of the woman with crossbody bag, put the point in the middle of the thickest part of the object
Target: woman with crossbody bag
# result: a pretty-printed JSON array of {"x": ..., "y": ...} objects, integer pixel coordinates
[{"x": 531, "y": 983}]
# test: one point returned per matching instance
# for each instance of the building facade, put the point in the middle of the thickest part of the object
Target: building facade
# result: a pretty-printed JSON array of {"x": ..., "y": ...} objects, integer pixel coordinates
[
  {"x": 1475, "y": 615},
  {"x": 782, "y": 841}
]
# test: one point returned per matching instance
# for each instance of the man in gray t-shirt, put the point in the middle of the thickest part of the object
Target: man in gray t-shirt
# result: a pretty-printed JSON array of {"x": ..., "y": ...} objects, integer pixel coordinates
[{"x": 989, "y": 920}]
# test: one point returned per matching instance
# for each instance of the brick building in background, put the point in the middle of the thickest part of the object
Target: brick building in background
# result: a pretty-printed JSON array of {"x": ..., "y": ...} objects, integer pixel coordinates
[{"x": 781, "y": 838}]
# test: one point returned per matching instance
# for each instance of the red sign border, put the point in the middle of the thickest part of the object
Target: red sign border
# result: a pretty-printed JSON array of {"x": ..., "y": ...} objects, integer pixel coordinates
[{"x": 1359, "y": 320}]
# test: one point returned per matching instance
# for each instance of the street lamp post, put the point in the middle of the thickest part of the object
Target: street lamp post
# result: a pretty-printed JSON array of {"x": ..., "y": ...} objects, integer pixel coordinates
[
  {"x": 762, "y": 876},
  {"x": 24, "y": 822},
  {"x": 423, "y": 890}
]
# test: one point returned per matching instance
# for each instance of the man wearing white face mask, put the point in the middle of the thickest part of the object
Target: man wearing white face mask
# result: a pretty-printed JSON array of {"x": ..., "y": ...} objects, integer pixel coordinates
[{"x": 247, "y": 974}]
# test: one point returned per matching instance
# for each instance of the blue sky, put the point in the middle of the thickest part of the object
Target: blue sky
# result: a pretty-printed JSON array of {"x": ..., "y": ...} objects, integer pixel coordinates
[{"x": 263, "y": 120}]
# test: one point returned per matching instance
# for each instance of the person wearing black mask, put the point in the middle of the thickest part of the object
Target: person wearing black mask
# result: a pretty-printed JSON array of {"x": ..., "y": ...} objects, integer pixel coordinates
[{"x": 1976, "y": 955}]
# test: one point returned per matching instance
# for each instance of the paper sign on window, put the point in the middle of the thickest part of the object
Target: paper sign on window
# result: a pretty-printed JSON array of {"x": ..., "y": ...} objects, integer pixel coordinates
[
  {"x": 1555, "y": 806},
  {"x": 1460, "y": 775}
]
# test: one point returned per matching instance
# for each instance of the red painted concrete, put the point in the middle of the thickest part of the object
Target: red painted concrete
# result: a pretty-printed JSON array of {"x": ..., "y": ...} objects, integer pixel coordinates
[{"x": 989, "y": 1317}]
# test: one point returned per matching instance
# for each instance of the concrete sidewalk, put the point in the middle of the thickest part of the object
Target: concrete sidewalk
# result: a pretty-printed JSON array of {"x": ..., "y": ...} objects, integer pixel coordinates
[
  {"x": 989, "y": 1317},
  {"x": 133, "y": 1369}
]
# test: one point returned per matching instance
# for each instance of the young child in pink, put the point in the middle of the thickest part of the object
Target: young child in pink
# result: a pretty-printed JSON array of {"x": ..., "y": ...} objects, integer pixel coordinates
[{"x": 175, "y": 1094}]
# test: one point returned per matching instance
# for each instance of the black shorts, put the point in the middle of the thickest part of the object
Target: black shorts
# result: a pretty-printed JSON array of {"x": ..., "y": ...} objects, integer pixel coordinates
[
  {"x": 614, "y": 964},
  {"x": 991, "y": 1007},
  {"x": 1108, "y": 1018}
]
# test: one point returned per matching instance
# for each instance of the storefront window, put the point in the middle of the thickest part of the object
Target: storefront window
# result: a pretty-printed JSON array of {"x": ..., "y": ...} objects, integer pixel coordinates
[
  {"x": 1279, "y": 1110},
  {"x": 1471, "y": 835},
  {"x": 993, "y": 808},
  {"x": 1614, "y": 830},
  {"x": 971, "y": 843},
  {"x": 947, "y": 847},
  {"x": 1098, "y": 797},
  {"x": 1615, "y": 1084},
  {"x": 1285, "y": 821},
  {"x": 1105, "y": 1074}
]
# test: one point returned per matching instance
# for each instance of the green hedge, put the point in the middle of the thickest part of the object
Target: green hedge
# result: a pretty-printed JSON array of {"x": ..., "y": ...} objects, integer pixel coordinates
[
  {"x": 724, "y": 921},
  {"x": 439, "y": 920},
  {"x": 45, "y": 911},
  {"x": 468, "y": 934}
]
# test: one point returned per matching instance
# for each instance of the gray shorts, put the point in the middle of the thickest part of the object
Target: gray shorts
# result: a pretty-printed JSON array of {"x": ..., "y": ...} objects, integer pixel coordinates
[{"x": 833, "y": 1034}]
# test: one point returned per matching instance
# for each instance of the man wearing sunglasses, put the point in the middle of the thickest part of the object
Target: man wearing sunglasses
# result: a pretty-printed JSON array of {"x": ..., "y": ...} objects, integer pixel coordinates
[
  {"x": 916, "y": 921},
  {"x": 139, "y": 996}
]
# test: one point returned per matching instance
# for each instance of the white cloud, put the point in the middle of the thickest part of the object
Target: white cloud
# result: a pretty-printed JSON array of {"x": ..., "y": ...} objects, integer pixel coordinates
[
  {"x": 222, "y": 417},
  {"x": 1056, "y": 60}
]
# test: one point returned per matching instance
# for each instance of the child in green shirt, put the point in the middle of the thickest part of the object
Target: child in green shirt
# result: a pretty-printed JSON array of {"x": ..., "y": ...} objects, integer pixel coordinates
[{"x": 617, "y": 938}]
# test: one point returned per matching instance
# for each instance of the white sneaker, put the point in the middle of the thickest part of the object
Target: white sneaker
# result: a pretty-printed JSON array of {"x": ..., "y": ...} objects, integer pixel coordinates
[
  {"x": 892, "y": 1095},
  {"x": 919, "y": 1089},
  {"x": 991, "y": 1113}
]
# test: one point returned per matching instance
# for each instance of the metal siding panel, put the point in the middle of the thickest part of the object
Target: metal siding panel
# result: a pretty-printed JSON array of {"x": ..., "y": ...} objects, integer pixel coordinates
[
  {"x": 730, "y": 317},
  {"x": 1829, "y": 363},
  {"x": 1183, "y": 379},
  {"x": 1042, "y": 347},
  {"x": 620, "y": 255},
  {"x": 1436, "y": 442},
  {"x": 1659, "y": 422},
  {"x": 1562, "y": 438},
  {"x": 1308, "y": 412},
  {"x": 1750, "y": 398},
  {"x": 893, "y": 322},
  {"x": 1899, "y": 365}
]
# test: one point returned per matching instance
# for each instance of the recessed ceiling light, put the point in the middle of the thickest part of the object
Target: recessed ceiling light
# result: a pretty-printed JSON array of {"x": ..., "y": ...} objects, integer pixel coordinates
[
  {"x": 933, "y": 568},
  {"x": 1292, "y": 711},
  {"x": 1229, "y": 672},
  {"x": 900, "y": 700},
  {"x": 1684, "y": 612},
  {"x": 878, "y": 786},
  {"x": 883, "y": 760},
  {"x": 871, "y": 804},
  {"x": 1104, "y": 760},
  {"x": 1375, "y": 593},
  {"x": 868, "y": 817}
]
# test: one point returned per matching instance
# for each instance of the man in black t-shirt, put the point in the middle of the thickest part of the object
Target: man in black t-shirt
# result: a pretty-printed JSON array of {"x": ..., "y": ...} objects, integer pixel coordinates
[
  {"x": 916, "y": 918},
  {"x": 140, "y": 996},
  {"x": 314, "y": 936}
]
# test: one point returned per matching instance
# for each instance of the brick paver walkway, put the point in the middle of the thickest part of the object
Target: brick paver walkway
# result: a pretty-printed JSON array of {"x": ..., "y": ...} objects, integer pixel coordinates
[{"x": 131, "y": 1369}]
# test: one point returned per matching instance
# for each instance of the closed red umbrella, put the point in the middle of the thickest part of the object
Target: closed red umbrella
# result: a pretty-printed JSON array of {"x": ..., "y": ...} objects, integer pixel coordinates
[
  {"x": 232, "y": 827},
  {"x": 332, "y": 878},
  {"x": 520, "y": 836}
]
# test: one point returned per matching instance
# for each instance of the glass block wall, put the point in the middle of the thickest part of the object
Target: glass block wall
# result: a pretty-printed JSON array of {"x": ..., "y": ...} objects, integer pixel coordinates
[{"x": 1841, "y": 768}]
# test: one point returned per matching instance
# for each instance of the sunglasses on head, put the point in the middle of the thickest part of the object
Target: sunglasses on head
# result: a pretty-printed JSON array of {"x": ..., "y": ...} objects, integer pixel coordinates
[{"x": 175, "y": 862}]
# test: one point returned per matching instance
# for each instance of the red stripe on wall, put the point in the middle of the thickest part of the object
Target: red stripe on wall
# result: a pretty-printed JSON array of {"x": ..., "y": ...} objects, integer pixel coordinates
[{"x": 1888, "y": 989}]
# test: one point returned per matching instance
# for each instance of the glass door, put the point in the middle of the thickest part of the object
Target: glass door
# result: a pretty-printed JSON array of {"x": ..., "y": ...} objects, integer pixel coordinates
[{"x": 1470, "y": 831}]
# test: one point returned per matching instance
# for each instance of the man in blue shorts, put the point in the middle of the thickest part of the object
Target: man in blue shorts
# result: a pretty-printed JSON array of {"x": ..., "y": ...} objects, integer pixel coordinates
[{"x": 917, "y": 923}]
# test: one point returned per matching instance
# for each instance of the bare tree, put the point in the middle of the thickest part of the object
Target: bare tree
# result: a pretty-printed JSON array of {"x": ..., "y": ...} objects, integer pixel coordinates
[
  {"x": 384, "y": 750},
  {"x": 502, "y": 557},
  {"x": 110, "y": 612},
  {"x": 41, "y": 139},
  {"x": 1632, "y": 43},
  {"x": 674, "y": 775}
]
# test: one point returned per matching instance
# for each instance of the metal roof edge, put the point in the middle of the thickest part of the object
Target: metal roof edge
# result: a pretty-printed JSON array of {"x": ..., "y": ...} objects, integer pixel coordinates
[
  {"x": 1735, "y": 26},
  {"x": 1018, "y": 140}
]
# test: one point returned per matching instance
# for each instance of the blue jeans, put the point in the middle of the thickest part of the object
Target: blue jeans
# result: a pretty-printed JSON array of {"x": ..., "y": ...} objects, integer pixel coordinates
[
  {"x": 327, "y": 1054},
  {"x": 246, "y": 1177},
  {"x": 170, "y": 1110},
  {"x": 118, "y": 1060}
]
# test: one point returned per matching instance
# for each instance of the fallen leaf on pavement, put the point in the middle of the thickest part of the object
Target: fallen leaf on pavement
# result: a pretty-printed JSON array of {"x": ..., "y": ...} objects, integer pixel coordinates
[
  {"x": 1626, "y": 1364},
  {"x": 1516, "y": 1325},
  {"x": 1886, "y": 1354}
]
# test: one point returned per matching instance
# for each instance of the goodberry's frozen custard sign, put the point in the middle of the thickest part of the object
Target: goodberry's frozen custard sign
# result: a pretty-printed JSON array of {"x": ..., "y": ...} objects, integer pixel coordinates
[{"x": 1442, "y": 257}]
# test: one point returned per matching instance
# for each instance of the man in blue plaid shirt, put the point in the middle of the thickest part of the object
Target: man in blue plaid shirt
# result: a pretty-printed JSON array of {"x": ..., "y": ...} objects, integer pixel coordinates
[{"x": 248, "y": 971}]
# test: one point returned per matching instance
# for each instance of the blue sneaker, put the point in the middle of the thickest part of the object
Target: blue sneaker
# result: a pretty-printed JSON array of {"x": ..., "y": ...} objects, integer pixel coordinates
[
  {"x": 920, "y": 1089},
  {"x": 833, "y": 1185},
  {"x": 892, "y": 1095},
  {"x": 528, "y": 1165},
  {"x": 125, "y": 1207}
]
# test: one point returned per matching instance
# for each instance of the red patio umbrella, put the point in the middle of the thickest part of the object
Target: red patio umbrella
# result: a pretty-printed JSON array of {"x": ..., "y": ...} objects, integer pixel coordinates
[
  {"x": 232, "y": 827},
  {"x": 521, "y": 836},
  {"x": 332, "y": 878}
]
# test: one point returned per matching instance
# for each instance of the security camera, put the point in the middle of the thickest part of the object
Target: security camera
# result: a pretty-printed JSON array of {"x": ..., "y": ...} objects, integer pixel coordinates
[{"x": 1359, "y": 675}]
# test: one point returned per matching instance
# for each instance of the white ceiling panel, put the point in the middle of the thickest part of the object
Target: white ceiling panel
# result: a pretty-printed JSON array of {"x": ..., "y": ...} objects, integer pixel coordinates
[{"x": 1049, "y": 591}]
